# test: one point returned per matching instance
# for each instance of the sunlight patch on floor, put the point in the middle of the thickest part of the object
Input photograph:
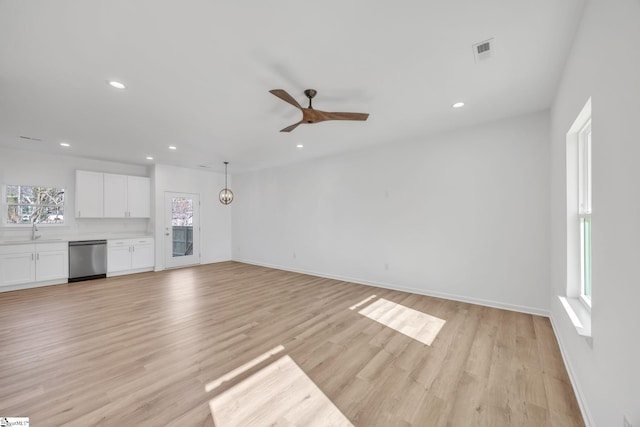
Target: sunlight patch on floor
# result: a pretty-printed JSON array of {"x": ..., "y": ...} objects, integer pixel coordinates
[
  {"x": 279, "y": 394},
  {"x": 242, "y": 369},
  {"x": 361, "y": 303},
  {"x": 412, "y": 323}
]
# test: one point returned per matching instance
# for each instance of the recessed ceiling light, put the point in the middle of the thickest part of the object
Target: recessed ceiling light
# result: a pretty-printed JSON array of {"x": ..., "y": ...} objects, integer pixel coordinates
[
  {"x": 171, "y": 147},
  {"x": 458, "y": 105},
  {"x": 116, "y": 84},
  {"x": 299, "y": 146},
  {"x": 149, "y": 158},
  {"x": 65, "y": 144}
]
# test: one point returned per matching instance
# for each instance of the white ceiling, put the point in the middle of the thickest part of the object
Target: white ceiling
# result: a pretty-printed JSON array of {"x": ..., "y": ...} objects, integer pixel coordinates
[{"x": 198, "y": 73}]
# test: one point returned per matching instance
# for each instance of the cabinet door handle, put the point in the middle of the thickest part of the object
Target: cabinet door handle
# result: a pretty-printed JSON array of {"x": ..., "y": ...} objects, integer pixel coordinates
[
  {"x": 79, "y": 213},
  {"x": 38, "y": 256},
  {"x": 31, "y": 257},
  {"x": 133, "y": 248}
]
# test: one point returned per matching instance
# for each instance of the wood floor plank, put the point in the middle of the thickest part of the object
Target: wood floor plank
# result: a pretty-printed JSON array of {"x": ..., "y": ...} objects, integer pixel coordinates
[{"x": 147, "y": 349}]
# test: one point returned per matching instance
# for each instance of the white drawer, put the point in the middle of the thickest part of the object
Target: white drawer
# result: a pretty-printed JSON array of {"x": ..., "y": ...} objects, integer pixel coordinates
[
  {"x": 143, "y": 241},
  {"x": 17, "y": 248},
  {"x": 130, "y": 242},
  {"x": 119, "y": 242},
  {"x": 57, "y": 246}
]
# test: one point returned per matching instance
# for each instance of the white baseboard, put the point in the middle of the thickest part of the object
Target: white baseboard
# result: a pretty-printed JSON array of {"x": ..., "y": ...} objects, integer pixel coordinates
[
  {"x": 584, "y": 409},
  {"x": 454, "y": 297},
  {"x": 209, "y": 261},
  {"x": 125, "y": 272},
  {"x": 33, "y": 285}
]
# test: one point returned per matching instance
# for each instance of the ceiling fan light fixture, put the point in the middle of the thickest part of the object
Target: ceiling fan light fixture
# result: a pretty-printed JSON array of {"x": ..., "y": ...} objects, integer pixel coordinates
[
  {"x": 226, "y": 195},
  {"x": 458, "y": 105}
]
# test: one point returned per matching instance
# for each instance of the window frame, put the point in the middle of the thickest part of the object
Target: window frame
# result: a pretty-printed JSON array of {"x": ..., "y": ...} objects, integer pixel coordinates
[
  {"x": 577, "y": 195},
  {"x": 5, "y": 205},
  {"x": 584, "y": 211}
]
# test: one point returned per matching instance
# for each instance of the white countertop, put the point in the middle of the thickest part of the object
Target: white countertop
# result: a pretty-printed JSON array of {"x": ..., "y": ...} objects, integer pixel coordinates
[{"x": 73, "y": 238}]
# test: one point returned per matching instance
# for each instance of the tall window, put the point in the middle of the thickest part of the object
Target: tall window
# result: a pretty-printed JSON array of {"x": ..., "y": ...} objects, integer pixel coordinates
[
  {"x": 584, "y": 210},
  {"x": 28, "y": 204}
]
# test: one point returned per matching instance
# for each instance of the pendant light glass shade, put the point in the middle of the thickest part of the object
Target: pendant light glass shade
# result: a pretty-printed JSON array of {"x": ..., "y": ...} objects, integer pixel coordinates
[{"x": 226, "y": 195}]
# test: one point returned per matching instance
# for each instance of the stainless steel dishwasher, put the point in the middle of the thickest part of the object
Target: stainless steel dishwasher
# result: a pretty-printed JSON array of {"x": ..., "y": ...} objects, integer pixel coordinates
[{"x": 87, "y": 260}]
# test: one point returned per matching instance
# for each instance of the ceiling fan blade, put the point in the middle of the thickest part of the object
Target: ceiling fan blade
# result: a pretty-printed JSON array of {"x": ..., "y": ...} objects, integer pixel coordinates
[
  {"x": 345, "y": 116},
  {"x": 282, "y": 94},
  {"x": 290, "y": 128}
]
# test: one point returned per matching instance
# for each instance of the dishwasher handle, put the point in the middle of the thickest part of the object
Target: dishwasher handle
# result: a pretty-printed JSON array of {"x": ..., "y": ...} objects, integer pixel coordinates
[{"x": 88, "y": 242}]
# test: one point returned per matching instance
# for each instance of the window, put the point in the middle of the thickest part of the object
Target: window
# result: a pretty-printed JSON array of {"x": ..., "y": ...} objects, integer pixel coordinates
[
  {"x": 584, "y": 210},
  {"x": 577, "y": 300},
  {"x": 29, "y": 204}
]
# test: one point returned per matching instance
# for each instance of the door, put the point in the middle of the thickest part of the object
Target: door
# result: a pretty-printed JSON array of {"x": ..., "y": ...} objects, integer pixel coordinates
[
  {"x": 17, "y": 264},
  {"x": 118, "y": 255},
  {"x": 52, "y": 261},
  {"x": 89, "y": 192},
  {"x": 139, "y": 196},
  {"x": 115, "y": 196},
  {"x": 142, "y": 255},
  {"x": 182, "y": 229}
]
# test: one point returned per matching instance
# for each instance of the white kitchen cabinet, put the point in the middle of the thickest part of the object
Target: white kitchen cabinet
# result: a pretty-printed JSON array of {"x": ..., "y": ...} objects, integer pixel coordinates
[
  {"x": 108, "y": 195},
  {"x": 89, "y": 194},
  {"x": 118, "y": 255},
  {"x": 52, "y": 261},
  {"x": 17, "y": 264},
  {"x": 139, "y": 196},
  {"x": 115, "y": 196},
  {"x": 127, "y": 196},
  {"x": 37, "y": 264},
  {"x": 143, "y": 254},
  {"x": 125, "y": 256}
]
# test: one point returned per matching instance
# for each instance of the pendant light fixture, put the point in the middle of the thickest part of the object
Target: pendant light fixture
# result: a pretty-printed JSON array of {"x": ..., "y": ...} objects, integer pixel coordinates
[{"x": 226, "y": 195}]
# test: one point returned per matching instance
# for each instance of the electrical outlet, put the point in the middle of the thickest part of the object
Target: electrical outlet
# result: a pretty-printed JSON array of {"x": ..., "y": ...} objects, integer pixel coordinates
[
  {"x": 625, "y": 422},
  {"x": 294, "y": 255}
]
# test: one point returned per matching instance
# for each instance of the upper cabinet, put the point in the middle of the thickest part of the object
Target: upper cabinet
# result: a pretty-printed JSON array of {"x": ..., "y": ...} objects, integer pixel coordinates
[
  {"x": 89, "y": 194},
  {"x": 139, "y": 196},
  {"x": 121, "y": 196},
  {"x": 115, "y": 196}
]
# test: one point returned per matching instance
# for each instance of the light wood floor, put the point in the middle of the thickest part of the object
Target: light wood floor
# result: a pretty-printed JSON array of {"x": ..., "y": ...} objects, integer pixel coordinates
[{"x": 147, "y": 349}]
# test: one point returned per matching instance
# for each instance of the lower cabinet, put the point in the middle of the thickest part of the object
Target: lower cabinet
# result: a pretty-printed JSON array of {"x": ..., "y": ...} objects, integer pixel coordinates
[
  {"x": 126, "y": 256},
  {"x": 52, "y": 261},
  {"x": 33, "y": 263}
]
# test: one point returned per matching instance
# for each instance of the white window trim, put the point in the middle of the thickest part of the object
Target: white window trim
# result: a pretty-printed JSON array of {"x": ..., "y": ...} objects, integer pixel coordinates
[
  {"x": 578, "y": 307},
  {"x": 584, "y": 198},
  {"x": 4, "y": 206}
]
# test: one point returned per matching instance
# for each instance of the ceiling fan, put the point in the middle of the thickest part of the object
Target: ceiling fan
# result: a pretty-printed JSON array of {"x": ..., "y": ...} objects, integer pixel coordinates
[{"x": 309, "y": 115}]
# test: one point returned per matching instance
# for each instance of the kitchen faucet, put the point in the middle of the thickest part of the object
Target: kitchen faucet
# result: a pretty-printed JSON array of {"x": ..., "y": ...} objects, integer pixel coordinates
[{"x": 35, "y": 236}]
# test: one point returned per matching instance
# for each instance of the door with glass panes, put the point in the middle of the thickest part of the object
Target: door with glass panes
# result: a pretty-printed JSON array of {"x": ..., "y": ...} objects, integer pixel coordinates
[{"x": 181, "y": 229}]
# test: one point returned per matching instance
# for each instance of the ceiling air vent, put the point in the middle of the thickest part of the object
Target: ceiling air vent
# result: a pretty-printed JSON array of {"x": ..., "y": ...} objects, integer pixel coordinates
[
  {"x": 29, "y": 138},
  {"x": 483, "y": 50}
]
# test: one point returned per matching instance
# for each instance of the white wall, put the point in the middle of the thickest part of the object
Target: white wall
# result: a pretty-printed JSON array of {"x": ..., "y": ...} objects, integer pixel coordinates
[
  {"x": 33, "y": 168},
  {"x": 215, "y": 218},
  {"x": 605, "y": 64},
  {"x": 462, "y": 215}
]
